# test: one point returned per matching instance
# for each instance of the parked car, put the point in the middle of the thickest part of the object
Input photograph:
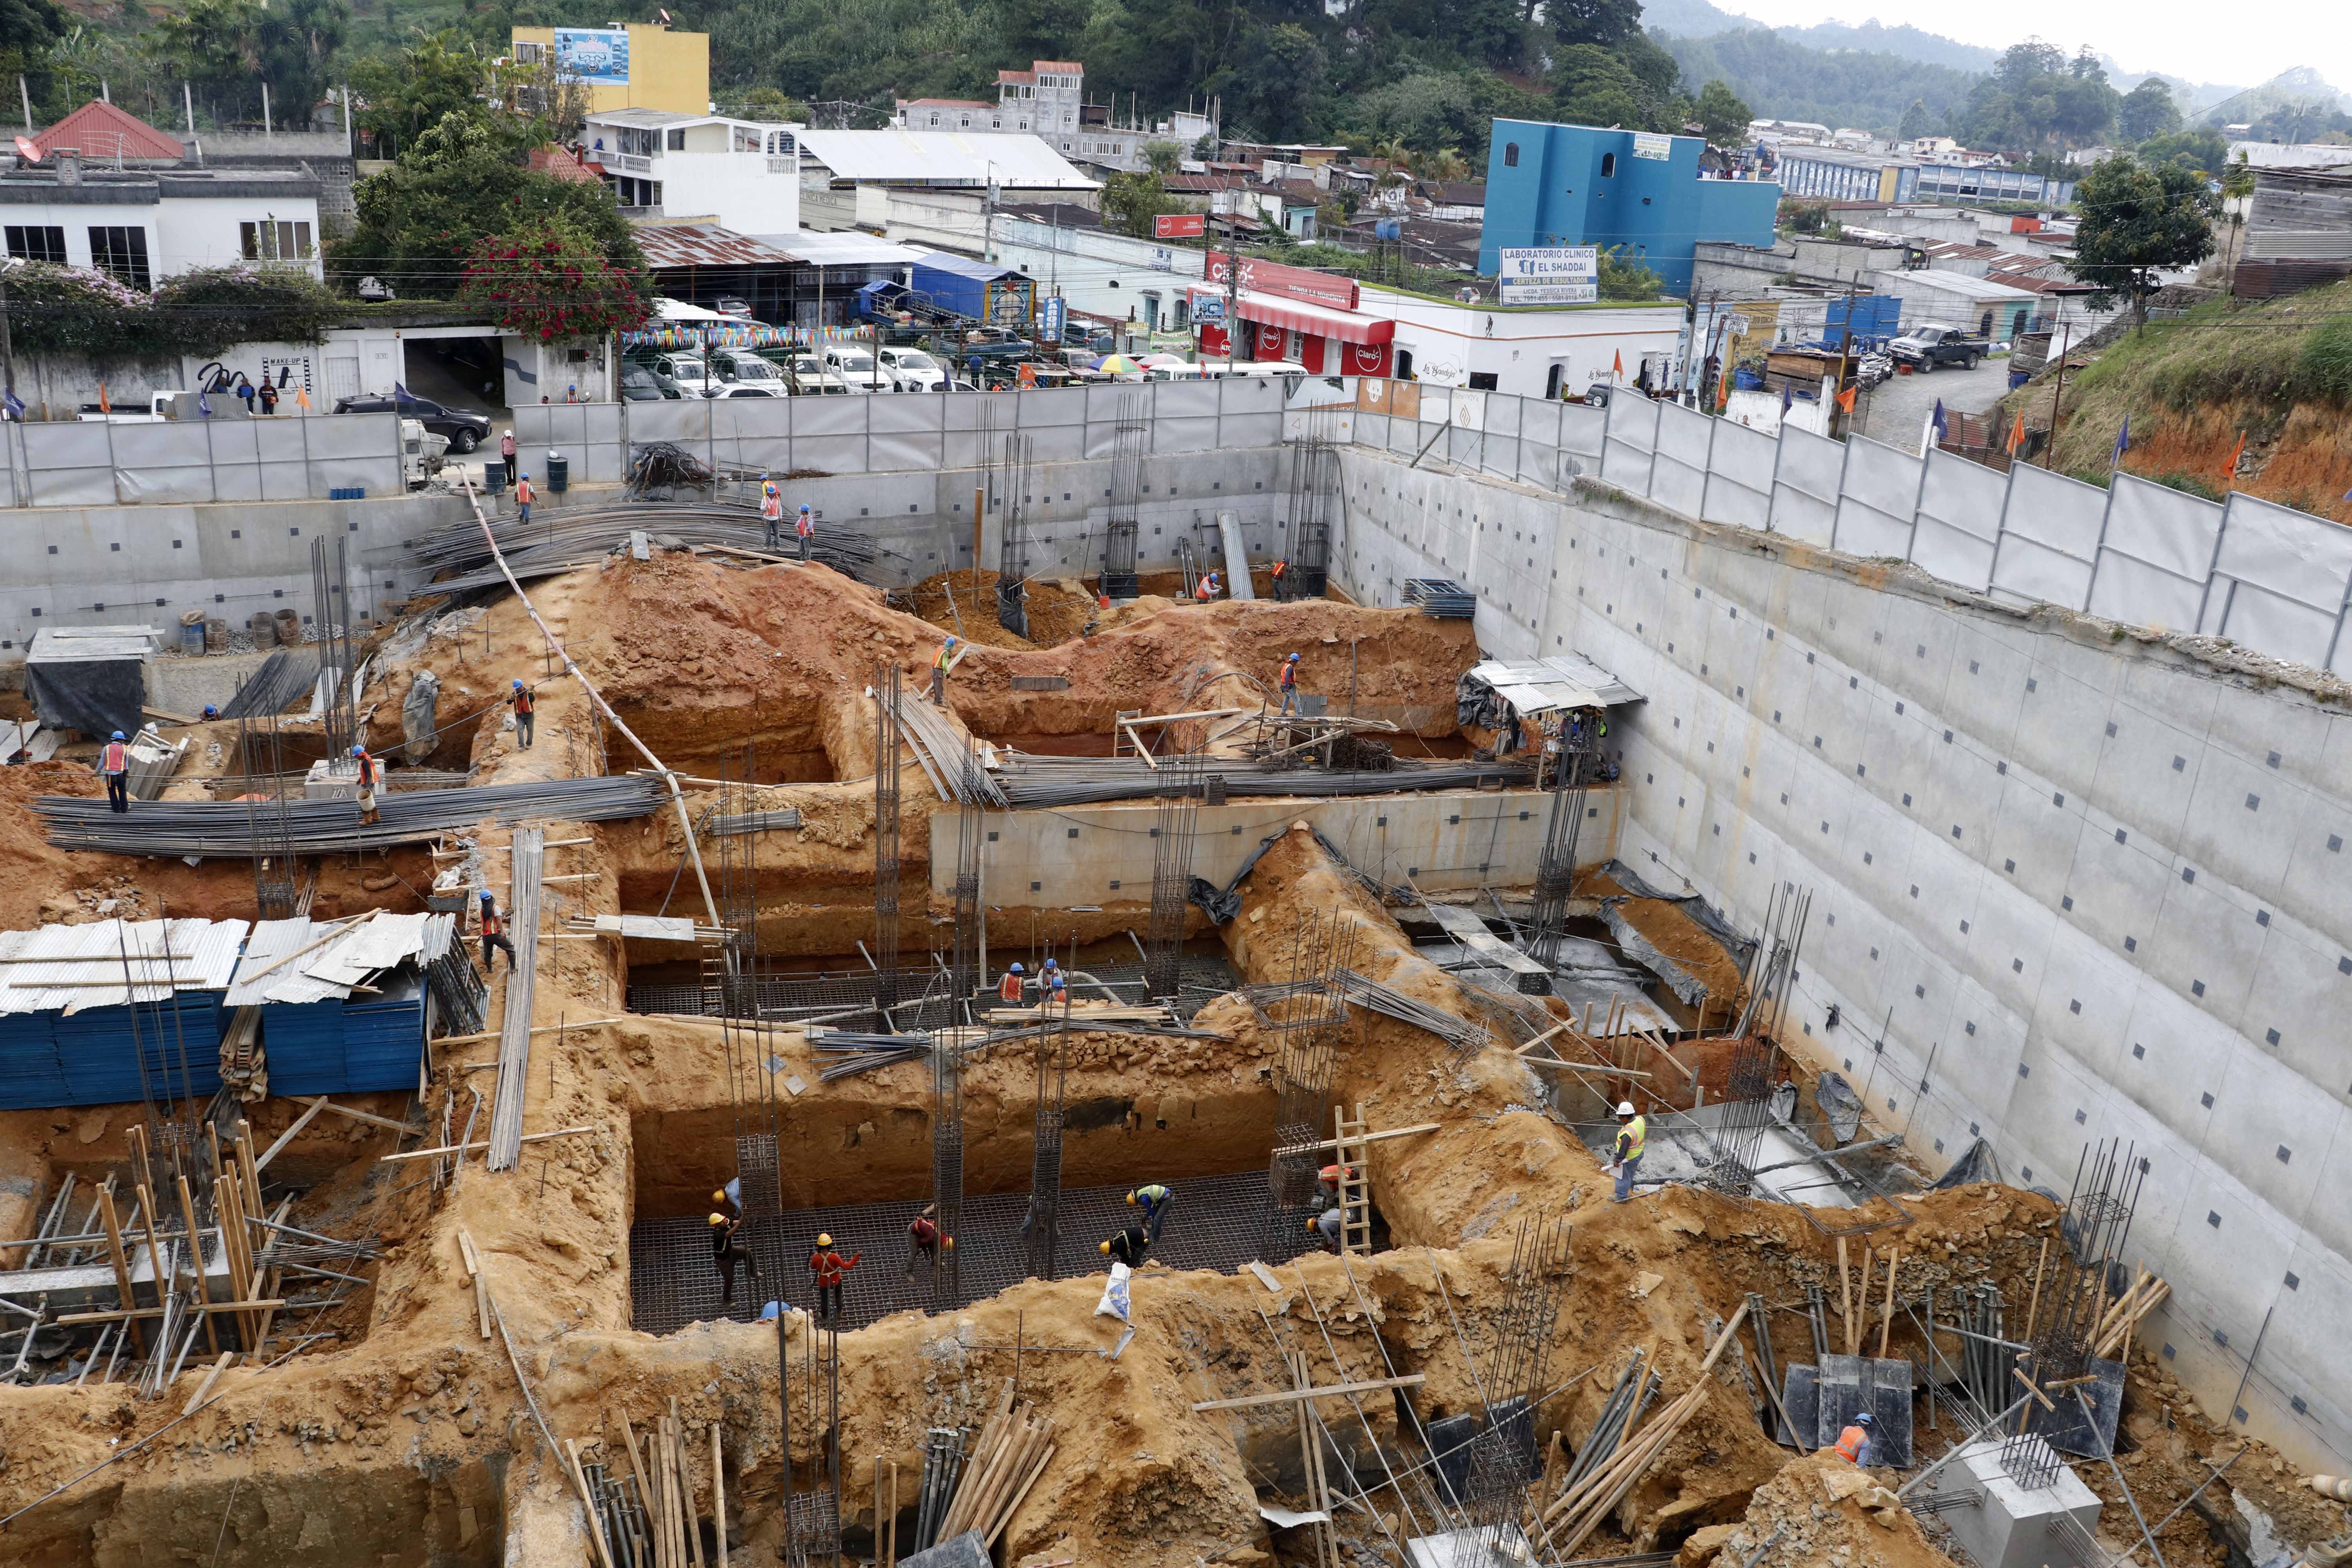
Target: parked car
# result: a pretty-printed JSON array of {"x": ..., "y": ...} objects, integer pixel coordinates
[
  {"x": 465, "y": 428},
  {"x": 732, "y": 305},
  {"x": 749, "y": 389},
  {"x": 1927, "y": 346},
  {"x": 686, "y": 369},
  {"x": 806, "y": 376},
  {"x": 732, "y": 365},
  {"x": 856, "y": 367},
  {"x": 640, "y": 383},
  {"x": 912, "y": 370}
]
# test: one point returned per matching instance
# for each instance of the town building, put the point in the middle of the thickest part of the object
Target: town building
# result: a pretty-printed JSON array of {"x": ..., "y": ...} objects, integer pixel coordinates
[
  {"x": 109, "y": 136},
  {"x": 1996, "y": 312},
  {"x": 853, "y": 179},
  {"x": 142, "y": 227},
  {"x": 634, "y": 65},
  {"x": 743, "y": 175},
  {"x": 2298, "y": 231},
  {"x": 1835, "y": 175},
  {"x": 1565, "y": 185},
  {"x": 1049, "y": 101}
]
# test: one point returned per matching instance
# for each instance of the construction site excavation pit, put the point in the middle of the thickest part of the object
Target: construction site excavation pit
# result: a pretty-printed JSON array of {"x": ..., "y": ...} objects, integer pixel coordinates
[{"x": 1389, "y": 947}]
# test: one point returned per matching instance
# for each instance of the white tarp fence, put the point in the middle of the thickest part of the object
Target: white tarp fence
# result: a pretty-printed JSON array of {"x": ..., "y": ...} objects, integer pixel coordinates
[{"x": 288, "y": 457}]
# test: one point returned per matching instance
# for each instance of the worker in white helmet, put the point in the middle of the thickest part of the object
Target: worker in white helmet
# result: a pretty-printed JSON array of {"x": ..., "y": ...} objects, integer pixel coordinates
[{"x": 1632, "y": 1134}]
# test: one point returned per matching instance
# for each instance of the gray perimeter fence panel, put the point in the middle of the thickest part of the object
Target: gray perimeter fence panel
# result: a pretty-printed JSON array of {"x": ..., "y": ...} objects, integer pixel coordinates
[
  {"x": 1740, "y": 477},
  {"x": 2156, "y": 556},
  {"x": 2050, "y": 529},
  {"x": 1632, "y": 440},
  {"x": 1805, "y": 486},
  {"x": 1959, "y": 520},
  {"x": 1685, "y": 440},
  {"x": 1877, "y": 500},
  {"x": 2280, "y": 581}
]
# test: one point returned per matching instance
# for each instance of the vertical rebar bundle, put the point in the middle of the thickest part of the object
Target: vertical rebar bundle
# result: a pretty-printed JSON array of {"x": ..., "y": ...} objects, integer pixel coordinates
[
  {"x": 1308, "y": 1026},
  {"x": 1173, "y": 833},
  {"x": 1012, "y": 553},
  {"x": 813, "y": 1513},
  {"x": 2081, "y": 1287},
  {"x": 971, "y": 834},
  {"x": 1041, "y": 1228},
  {"x": 1314, "y": 491},
  {"x": 1555, "y": 876},
  {"x": 1121, "y": 527},
  {"x": 266, "y": 816},
  {"x": 885, "y": 844},
  {"x": 947, "y": 1172},
  {"x": 1748, "y": 1091},
  {"x": 744, "y": 1033},
  {"x": 1503, "y": 1455},
  {"x": 331, "y": 592}
]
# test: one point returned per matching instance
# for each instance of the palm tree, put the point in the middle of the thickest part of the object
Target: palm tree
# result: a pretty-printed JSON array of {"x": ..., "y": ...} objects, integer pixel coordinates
[{"x": 1447, "y": 164}]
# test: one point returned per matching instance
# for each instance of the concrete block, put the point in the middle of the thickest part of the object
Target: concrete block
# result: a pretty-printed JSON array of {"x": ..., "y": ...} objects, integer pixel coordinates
[
  {"x": 2205, "y": 946},
  {"x": 2061, "y": 725},
  {"x": 2243, "y": 822},
  {"x": 2011, "y": 1526}
]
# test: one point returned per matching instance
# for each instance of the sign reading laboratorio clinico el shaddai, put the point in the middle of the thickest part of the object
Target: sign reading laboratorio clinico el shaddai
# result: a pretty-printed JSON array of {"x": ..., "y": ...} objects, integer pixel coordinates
[{"x": 1562, "y": 275}]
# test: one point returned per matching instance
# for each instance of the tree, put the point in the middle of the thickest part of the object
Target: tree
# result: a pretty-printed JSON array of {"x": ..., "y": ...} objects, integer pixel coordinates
[
  {"x": 2148, "y": 110},
  {"x": 1594, "y": 87},
  {"x": 1162, "y": 157},
  {"x": 548, "y": 278},
  {"x": 1042, "y": 29},
  {"x": 1277, "y": 88},
  {"x": 29, "y": 28},
  {"x": 2134, "y": 221},
  {"x": 2201, "y": 149},
  {"x": 288, "y": 45},
  {"x": 1916, "y": 123},
  {"x": 1603, "y": 22},
  {"x": 1129, "y": 203},
  {"x": 1722, "y": 118},
  {"x": 402, "y": 96},
  {"x": 773, "y": 105},
  {"x": 1626, "y": 280},
  {"x": 458, "y": 182}
]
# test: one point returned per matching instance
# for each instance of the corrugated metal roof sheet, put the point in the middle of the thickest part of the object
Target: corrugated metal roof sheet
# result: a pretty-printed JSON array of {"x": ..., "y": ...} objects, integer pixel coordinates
[
  {"x": 847, "y": 247},
  {"x": 90, "y": 644},
  {"x": 1014, "y": 161},
  {"x": 668, "y": 244},
  {"x": 330, "y": 972},
  {"x": 1547, "y": 685},
  {"x": 96, "y": 951}
]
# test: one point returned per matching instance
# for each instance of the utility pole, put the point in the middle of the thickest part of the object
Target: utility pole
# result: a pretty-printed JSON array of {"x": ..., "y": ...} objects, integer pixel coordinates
[
  {"x": 2050, "y": 453},
  {"x": 1232, "y": 288}
]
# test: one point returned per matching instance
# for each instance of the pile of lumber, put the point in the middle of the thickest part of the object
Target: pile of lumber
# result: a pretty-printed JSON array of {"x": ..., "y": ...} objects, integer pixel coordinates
[
  {"x": 1567, "y": 1520},
  {"x": 664, "y": 1531},
  {"x": 1011, "y": 1453},
  {"x": 2114, "y": 1330}
]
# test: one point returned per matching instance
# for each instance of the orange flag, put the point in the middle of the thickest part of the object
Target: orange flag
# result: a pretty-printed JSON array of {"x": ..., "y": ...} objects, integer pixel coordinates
[
  {"x": 1617, "y": 366},
  {"x": 2017, "y": 433},
  {"x": 302, "y": 399},
  {"x": 1845, "y": 399},
  {"x": 2236, "y": 452},
  {"x": 106, "y": 408}
]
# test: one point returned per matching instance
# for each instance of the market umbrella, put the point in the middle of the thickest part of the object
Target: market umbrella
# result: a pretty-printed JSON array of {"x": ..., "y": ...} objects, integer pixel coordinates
[{"x": 1117, "y": 365}]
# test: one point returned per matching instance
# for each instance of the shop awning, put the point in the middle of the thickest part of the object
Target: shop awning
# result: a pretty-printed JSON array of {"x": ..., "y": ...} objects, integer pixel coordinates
[{"x": 1315, "y": 320}]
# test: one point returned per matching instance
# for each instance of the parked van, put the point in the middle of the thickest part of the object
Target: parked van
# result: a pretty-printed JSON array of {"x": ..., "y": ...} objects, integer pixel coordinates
[
  {"x": 856, "y": 368},
  {"x": 742, "y": 364},
  {"x": 809, "y": 378}
]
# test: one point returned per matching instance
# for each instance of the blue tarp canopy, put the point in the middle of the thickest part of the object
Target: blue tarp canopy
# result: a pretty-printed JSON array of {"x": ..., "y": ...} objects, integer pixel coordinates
[{"x": 957, "y": 283}]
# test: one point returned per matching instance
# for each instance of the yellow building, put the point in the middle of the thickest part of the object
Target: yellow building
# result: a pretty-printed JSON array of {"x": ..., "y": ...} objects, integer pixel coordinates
[{"x": 637, "y": 66}]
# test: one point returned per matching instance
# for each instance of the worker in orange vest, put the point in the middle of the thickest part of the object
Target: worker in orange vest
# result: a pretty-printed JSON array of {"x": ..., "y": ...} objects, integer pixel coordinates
[
  {"x": 1275, "y": 573},
  {"x": 494, "y": 935},
  {"x": 772, "y": 509},
  {"x": 368, "y": 781},
  {"x": 1208, "y": 587},
  {"x": 114, "y": 764},
  {"x": 1289, "y": 685},
  {"x": 526, "y": 708},
  {"x": 1853, "y": 1443},
  {"x": 829, "y": 1265},
  {"x": 524, "y": 496},
  {"x": 1009, "y": 989}
]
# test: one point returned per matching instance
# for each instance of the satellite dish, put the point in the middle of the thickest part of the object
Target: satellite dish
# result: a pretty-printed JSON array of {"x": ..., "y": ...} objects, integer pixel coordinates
[{"x": 27, "y": 151}]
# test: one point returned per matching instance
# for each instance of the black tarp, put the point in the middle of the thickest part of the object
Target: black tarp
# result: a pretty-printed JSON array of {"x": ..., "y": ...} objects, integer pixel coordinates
[
  {"x": 1977, "y": 1165},
  {"x": 96, "y": 697}
]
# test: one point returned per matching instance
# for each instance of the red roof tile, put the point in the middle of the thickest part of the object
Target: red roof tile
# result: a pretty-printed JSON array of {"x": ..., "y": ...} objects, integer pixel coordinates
[
  {"x": 99, "y": 130},
  {"x": 559, "y": 162}
]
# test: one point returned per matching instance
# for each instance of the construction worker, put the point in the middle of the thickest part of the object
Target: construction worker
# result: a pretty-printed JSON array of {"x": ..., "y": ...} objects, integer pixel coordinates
[
  {"x": 923, "y": 1238},
  {"x": 525, "y": 707},
  {"x": 771, "y": 511},
  {"x": 1155, "y": 1200},
  {"x": 1275, "y": 575},
  {"x": 114, "y": 766},
  {"x": 829, "y": 1265},
  {"x": 728, "y": 1251},
  {"x": 370, "y": 776},
  {"x": 730, "y": 1196},
  {"x": 946, "y": 659},
  {"x": 524, "y": 496},
  {"x": 494, "y": 934},
  {"x": 1328, "y": 1180},
  {"x": 1009, "y": 989},
  {"x": 211, "y": 712},
  {"x": 507, "y": 455},
  {"x": 1632, "y": 1136},
  {"x": 1289, "y": 685},
  {"x": 1128, "y": 1246},
  {"x": 806, "y": 527},
  {"x": 1854, "y": 1443},
  {"x": 1328, "y": 1225},
  {"x": 1208, "y": 585}
]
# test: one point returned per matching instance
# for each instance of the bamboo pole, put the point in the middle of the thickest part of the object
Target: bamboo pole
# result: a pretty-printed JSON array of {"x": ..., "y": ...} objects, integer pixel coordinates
[
  {"x": 196, "y": 1245},
  {"x": 1887, "y": 1318},
  {"x": 1845, "y": 1297},
  {"x": 2034, "y": 1310},
  {"x": 155, "y": 1243},
  {"x": 685, "y": 1486},
  {"x": 637, "y": 1467},
  {"x": 719, "y": 1492},
  {"x": 121, "y": 1265},
  {"x": 1860, "y": 1323}
]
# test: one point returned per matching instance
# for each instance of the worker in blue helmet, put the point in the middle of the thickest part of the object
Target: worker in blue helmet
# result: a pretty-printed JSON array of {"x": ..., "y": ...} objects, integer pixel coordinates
[
  {"x": 494, "y": 935},
  {"x": 370, "y": 776},
  {"x": 525, "y": 708},
  {"x": 114, "y": 766},
  {"x": 1008, "y": 990}
]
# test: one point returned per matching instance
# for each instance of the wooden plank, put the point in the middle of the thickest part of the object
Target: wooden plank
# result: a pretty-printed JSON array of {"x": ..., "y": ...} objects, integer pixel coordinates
[
  {"x": 323, "y": 1103},
  {"x": 205, "y": 1387},
  {"x": 1335, "y": 1390},
  {"x": 469, "y": 1148},
  {"x": 1367, "y": 1138},
  {"x": 289, "y": 1135},
  {"x": 121, "y": 1265},
  {"x": 137, "y": 1314}
]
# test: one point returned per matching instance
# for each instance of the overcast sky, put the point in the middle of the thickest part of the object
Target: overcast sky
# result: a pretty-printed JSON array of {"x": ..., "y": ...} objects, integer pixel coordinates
[{"x": 2200, "y": 42}]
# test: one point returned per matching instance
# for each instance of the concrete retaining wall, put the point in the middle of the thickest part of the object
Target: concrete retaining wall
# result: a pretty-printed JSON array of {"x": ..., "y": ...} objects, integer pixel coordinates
[
  {"x": 2091, "y": 888},
  {"x": 1445, "y": 840}
]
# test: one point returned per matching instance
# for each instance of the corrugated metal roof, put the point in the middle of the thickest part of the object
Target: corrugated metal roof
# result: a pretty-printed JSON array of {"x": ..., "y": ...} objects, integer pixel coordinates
[
  {"x": 670, "y": 244},
  {"x": 1013, "y": 160},
  {"x": 90, "y": 644},
  {"x": 845, "y": 247},
  {"x": 1958, "y": 283},
  {"x": 330, "y": 972},
  {"x": 1547, "y": 685},
  {"x": 96, "y": 952}
]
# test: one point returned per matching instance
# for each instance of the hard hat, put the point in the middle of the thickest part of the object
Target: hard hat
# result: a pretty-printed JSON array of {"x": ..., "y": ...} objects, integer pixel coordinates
[
  {"x": 1104, "y": 1248},
  {"x": 518, "y": 686},
  {"x": 1016, "y": 969},
  {"x": 1050, "y": 963},
  {"x": 1130, "y": 1198},
  {"x": 772, "y": 489},
  {"x": 211, "y": 711},
  {"x": 804, "y": 506},
  {"x": 719, "y": 1219},
  {"x": 1315, "y": 1221},
  {"x": 1624, "y": 1108},
  {"x": 359, "y": 751},
  {"x": 719, "y": 1196},
  {"x": 824, "y": 1238},
  {"x": 486, "y": 895},
  {"x": 1865, "y": 1419},
  {"x": 947, "y": 1242},
  {"x": 1293, "y": 659},
  {"x": 526, "y": 473},
  {"x": 952, "y": 642}
]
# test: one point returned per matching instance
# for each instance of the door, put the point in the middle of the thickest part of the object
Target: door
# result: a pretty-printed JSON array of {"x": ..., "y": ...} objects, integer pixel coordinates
[{"x": 1552, "y": 378}]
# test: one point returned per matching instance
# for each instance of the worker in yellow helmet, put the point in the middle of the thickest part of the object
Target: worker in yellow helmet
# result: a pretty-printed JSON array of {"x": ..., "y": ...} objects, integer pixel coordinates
[{"x": 1632, "y": 1136}]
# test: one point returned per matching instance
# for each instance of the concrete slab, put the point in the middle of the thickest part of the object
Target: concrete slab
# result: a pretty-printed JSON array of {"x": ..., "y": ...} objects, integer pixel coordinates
[{"x": 2012, "y": 1527}]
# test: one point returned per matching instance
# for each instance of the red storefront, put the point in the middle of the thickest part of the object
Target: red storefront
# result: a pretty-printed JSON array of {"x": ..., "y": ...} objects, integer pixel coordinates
[{"x": 1291, "y": 313}]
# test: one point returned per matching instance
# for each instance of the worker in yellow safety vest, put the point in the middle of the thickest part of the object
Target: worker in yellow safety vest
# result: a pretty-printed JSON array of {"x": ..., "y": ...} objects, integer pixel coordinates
[
  {"x": 1853, "y": 1442},
  {"x": 1632, "y": 1136}
]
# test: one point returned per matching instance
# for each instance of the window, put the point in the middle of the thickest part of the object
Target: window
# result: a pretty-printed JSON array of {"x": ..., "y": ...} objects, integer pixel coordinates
[
  {"x": 530, "y": 54},
  {"x": 268, "y": 241},
  {"x": 122, "y": 252},
  {"x": 34, "y": 243},
  {"x": 1510, "y": 154},
  {"x": 676, "y": 138},
  {"x": 1482, "y": 380},
  {"x": 1608, "y": 166}
]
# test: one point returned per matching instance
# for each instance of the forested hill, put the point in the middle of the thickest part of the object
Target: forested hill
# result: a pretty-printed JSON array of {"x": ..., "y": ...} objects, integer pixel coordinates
[{"x": 1787, "y": 81}]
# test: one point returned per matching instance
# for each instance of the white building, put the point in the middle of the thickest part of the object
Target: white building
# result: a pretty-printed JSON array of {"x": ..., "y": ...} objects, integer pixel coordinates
[
  {"x": 145, "y": 227},
  {"x": 743, "y": 175},
  {"x": 1532, "y": 352},
  {"x": 1049, "y": 101}
]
